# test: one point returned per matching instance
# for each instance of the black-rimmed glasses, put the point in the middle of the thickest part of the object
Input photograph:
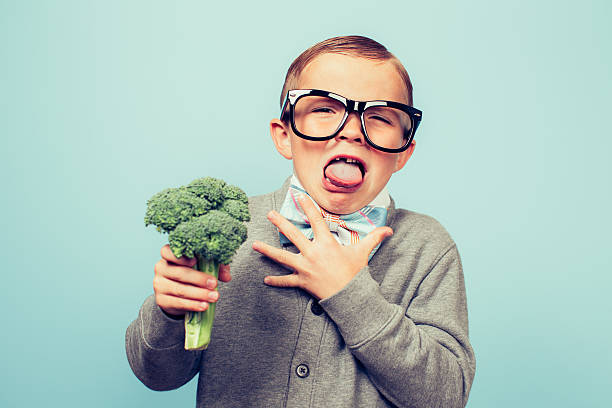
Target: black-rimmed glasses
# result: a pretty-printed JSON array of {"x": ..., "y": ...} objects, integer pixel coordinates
[{"x": 320, "y": 115}]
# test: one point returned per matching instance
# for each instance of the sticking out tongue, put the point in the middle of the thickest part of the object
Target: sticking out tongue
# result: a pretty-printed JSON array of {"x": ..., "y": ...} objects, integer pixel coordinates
[{"x": 343, "y": 174}]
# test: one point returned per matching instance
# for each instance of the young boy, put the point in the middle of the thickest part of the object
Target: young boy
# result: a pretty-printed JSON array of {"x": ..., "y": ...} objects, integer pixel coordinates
[{"x": 337, "y": 299}]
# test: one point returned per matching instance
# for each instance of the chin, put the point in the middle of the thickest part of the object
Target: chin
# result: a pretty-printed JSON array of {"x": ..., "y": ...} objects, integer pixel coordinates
[{"x": 340, "y": 203}]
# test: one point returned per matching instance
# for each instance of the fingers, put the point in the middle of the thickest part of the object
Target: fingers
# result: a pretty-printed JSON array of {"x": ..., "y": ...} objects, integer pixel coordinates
[
  {"x": 277, "y": 254},
  {"x": 284, "y": 281},
  {"x": 166, "y": 253},
  {"x": 319, "y": 227},
  {"x": 177, "y": 306},
  {"x": 171, "y": 267},
  {"x": 179, "y": 288},
  {"x": 176, "y": 297},
  {"x": 288, "y": 229},
  {"x": 224, "y": 273},
  {"x": 184, "y": 275},
  {"x": 374, "y": 238}
]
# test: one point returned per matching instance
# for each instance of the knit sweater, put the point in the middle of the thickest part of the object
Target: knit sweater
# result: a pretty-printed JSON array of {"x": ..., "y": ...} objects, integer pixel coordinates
[{"x": 395, "y": 335}]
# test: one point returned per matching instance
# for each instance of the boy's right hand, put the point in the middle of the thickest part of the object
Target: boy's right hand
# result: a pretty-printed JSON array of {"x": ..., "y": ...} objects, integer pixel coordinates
[{"x": 180, "y": 288}]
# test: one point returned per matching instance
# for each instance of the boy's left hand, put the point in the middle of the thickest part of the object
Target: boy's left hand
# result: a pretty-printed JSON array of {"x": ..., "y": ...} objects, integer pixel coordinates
[{"x": 323, "y": 266}]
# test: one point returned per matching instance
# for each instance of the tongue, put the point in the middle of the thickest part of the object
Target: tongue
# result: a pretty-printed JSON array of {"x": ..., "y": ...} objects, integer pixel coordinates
[{"x": 344, "y": 174}]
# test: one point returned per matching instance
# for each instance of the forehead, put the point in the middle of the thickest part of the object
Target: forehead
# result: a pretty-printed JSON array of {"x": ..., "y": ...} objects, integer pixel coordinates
[{"x": 356, "y": 78}]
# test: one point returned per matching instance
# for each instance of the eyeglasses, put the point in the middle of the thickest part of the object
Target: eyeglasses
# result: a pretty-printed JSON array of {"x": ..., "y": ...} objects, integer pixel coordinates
[{"x": 320, "y": 115}]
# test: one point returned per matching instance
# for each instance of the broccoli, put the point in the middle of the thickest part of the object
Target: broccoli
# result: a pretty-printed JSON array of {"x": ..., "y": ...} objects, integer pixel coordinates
[{"x": 203, "y": 219}]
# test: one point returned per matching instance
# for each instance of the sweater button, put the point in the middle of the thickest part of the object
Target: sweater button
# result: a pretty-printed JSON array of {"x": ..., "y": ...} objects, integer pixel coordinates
[
  {"x": 316, "y": 308},
  {"x": 302, "y": 371}
]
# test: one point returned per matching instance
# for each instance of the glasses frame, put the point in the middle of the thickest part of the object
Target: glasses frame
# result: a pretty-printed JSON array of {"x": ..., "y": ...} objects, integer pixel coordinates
[{"x": 350, "y": 106}]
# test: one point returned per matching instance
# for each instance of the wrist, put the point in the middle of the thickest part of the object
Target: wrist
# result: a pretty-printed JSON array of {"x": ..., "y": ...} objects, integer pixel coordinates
[{"x": 330, "y": 287}]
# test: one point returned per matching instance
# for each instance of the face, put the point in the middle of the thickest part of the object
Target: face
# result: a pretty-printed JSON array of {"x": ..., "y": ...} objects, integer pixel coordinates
[{"x": 343, "y": 188}]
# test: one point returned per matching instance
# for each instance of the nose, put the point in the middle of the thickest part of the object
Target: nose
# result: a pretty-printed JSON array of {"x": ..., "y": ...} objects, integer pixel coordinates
[{"x": 351, "y": 131}]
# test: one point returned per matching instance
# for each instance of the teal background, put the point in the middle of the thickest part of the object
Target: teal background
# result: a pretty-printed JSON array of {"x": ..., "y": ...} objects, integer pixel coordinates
[{"x": 102, "y": 104}]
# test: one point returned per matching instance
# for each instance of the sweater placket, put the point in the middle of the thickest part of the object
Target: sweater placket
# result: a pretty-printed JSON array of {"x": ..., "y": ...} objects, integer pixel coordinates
[{"x": 303, "y": 371}]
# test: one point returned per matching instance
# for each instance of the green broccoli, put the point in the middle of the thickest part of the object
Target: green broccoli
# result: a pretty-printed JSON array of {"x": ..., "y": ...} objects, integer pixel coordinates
[{"x": 203, "y": 219}]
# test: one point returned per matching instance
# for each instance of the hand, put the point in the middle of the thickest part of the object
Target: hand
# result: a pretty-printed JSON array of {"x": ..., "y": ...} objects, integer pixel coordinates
[
  {"x": 323, "y": 266},
  {"x": 180, "y": 288}
]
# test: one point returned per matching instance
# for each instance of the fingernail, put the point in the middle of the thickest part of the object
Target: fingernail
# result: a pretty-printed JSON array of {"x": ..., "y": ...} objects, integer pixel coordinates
[
  {"x": 213, "y": 296},
  {"x": 210, "y": 284},
  {"x": 271, "y": 215},
  {"x": 204, "y": 305}
]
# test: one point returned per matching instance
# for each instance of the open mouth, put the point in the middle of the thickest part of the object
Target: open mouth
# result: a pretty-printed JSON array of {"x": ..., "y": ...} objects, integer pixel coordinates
[{"x": 344, "y": 171}]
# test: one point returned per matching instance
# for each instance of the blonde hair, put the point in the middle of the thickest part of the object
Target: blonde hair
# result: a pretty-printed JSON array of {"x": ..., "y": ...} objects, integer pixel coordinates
[{"x": 353, "y": 45}]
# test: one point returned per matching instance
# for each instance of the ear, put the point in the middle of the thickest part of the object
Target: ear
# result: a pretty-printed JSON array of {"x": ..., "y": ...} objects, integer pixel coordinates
[
  {"x": 281, "y": 138},
  {"x": 404, "y": 156}
]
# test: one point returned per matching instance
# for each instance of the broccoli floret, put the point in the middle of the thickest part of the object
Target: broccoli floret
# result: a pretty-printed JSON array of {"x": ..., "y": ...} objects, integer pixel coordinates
[
  {"x": 203, "y": 219},
  {"x": 209, "y": 188},
  {"x": 215, "y": 235},
  {"x": 183, "y": 209},
  {"x": 236, "y": 209},
  {"x": 234, "y": 193},
  {"x": 172, "y": 206}
]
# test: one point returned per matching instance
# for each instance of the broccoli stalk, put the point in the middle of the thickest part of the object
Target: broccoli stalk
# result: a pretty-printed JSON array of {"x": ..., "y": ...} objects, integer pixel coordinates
[
  {"x": 203, "y": 219},
  {"x": 198, "y": 325}
]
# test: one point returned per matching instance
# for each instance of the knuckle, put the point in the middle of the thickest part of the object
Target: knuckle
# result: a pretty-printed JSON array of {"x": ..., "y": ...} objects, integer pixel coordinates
[
  {"x": 158, "y": 267},
  {"x": 304, "y": 275},
  {"x": 307, "y": 252},
  {"x": 285, "y": 256},
  {"x": 200, "y": 279},
  {"x": 157, "y": 284},
  {"x": 179, "y": 291},
  {"x": 168, "y": 255}
]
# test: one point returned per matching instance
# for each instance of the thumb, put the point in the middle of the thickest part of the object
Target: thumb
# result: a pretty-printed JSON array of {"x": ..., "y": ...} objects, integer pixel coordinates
[
  {"x": 374, "y": 238},
  {"x": 224, "y": 273}
]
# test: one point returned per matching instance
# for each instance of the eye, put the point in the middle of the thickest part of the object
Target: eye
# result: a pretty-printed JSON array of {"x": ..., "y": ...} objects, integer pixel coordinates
[
  {"x": 323, "y": 109},
  {"x": 380, "y": 118}
]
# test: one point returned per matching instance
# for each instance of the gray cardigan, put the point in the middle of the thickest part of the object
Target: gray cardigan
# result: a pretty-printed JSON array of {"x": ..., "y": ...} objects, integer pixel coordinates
[{"x": 396, "y": 335}]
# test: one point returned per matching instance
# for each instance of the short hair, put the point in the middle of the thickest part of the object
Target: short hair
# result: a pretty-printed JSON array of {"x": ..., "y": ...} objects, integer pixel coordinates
[{"x": 352, "y": 45}]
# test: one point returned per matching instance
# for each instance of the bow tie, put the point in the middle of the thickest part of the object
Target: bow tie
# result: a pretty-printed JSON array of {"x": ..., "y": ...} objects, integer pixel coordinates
[{"x": 347, "y": 229}]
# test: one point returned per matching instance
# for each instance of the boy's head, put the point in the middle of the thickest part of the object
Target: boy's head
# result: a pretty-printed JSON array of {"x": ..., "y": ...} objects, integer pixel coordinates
[
  {"x": 343, "y": 151},
  {"x": 353, "y": 45}
]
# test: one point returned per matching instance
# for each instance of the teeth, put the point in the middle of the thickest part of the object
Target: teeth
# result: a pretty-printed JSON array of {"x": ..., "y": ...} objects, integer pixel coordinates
[{"x": 346, "y": 159}]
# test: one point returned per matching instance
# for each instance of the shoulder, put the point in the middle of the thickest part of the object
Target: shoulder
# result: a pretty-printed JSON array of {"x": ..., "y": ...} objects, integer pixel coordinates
[
  {"x": 260, "y": 205},
  {"x": 419, "y": 230},
  {"x": 417, "y": 223}
]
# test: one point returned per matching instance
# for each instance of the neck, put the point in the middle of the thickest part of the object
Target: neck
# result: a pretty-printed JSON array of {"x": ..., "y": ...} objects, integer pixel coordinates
[{"x": 381, "y": 200}]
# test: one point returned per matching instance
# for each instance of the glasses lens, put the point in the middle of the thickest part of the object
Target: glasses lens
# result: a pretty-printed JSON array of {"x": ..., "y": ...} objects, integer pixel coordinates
[
  {"x": 387, "y": 127},
  {"x": 318, "y": 116}
]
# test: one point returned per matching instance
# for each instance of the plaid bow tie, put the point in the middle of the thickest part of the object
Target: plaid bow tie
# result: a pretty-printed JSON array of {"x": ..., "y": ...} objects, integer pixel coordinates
[{"x": 347, "y": 229}]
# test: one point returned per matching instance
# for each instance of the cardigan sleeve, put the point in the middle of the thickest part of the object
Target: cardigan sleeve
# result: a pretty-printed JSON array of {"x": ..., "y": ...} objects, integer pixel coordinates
[
  {"x": 155, "y": 349},
  {"x": 419, "y": 356}
]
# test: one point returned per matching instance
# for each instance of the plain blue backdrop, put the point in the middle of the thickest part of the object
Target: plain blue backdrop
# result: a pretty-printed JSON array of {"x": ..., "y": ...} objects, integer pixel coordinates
[{"x": 104, "y": 103}]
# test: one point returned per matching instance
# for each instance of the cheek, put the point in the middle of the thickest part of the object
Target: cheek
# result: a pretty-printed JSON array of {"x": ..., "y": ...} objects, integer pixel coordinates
[
  {"x": 385, "y": 166},
  {"x": 307, "y": 154}
]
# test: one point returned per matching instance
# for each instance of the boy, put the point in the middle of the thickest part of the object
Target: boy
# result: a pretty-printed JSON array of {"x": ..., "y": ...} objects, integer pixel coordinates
[{"x": 371, "y": 311}]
